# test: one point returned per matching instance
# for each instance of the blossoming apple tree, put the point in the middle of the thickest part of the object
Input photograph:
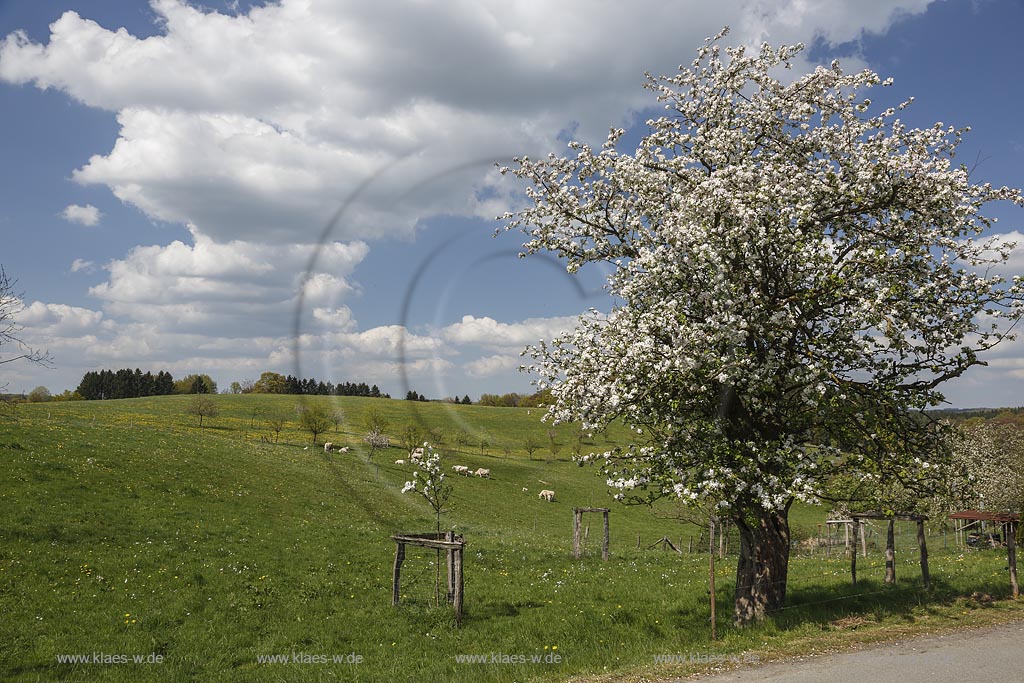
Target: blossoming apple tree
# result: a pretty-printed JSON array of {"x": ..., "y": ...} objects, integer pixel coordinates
[{"x": 793, "y": 275}]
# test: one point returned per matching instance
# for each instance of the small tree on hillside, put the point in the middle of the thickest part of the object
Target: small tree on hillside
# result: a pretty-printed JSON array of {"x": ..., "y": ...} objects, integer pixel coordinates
[
  {"x": 376, "y": 440},
  {"x": 39, "y": 395},
  {"x": 794, "y": 276},
  {"x": 276, "y": 423},
  {"x": 429, "y": 482},
  {"x": 411, "y": 436},
  {"x": 530, "y": 444},
  {"x": 553, "y": 446},
  {"x": 375, "y": 421},
  {"x": 201, "y": 407},
  {"x": 315, "y": 419},
  {"x": 462, "y": 439}
]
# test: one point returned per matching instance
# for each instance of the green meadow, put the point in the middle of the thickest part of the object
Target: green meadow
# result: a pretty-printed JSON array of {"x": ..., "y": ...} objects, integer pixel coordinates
[{"x": 126, "y": 531}]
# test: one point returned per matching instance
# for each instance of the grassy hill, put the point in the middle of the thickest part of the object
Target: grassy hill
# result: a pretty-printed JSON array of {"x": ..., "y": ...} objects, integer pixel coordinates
[{"x": 125, "y": 530}]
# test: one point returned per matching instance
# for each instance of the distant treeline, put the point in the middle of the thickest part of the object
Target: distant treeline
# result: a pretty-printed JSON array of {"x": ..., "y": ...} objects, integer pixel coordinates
[
  {"x": 514, "y": 400},
  {"x": 973, "y": 416},
  {"x": 276, "y": 383},
  {"x": 128, "y": 383}
]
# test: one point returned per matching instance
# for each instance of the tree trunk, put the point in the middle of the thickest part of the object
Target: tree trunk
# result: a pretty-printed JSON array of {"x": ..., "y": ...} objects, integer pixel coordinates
[{"x": 763, "y": 564}]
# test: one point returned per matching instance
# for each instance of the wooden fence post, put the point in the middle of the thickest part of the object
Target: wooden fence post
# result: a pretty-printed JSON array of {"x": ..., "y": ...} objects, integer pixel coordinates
[
  {"x": 924, "y": 555},
  {"x": 458, "y": 586},
  {"x": 450, "y": 557},
  {"x": 397, "y": 573},
  {"x": 853, "y": 557},
  {"x": 1011, "y": 555},
  {"x": 577, "y": 518},
  {"x": 890, "y": 553},
  {"x": 604, "y": 545},
  {"x": 711, "y": 580}
]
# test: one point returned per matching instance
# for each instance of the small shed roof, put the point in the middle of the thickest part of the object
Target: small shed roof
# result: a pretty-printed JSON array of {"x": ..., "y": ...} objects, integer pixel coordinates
[{"x": 986, "y": 516}]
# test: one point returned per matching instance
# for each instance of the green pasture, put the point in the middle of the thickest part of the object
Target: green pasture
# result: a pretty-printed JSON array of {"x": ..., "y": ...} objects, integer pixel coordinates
[{"x": 125, "y": 530}]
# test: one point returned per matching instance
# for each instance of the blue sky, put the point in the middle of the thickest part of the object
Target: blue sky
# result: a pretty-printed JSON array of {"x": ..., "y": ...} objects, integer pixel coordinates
[{"x": 169, "y": 169}]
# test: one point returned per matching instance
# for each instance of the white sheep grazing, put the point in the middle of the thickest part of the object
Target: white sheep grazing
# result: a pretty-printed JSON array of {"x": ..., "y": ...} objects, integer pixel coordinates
[
  {"x": 547, "y": 495},
  {"x": 460, "y": 469},
  {"x": 399, "y": 462},
  {"x": 484, "y": 474},
  {"x": 343, "y": 449},
  {"x": 328, "y": 447}
]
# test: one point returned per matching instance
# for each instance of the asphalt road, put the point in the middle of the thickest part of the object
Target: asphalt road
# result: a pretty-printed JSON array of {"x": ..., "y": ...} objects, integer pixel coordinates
[{"x": 994, "y": 654}]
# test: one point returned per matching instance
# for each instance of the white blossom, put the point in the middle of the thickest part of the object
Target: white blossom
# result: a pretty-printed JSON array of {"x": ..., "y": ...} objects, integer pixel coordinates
[{"x": 793, "y": 278}]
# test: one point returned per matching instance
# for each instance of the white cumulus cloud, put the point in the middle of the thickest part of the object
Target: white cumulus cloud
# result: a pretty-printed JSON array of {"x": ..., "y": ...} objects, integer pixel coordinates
[
  {"x": 259, "y": 125},
  {"x": 84, "y": 215},
  {"x": 488, "y": 332}
]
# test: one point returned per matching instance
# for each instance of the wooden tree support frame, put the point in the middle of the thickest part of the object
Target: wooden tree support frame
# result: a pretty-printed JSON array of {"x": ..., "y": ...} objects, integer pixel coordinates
[
  {"x": 847, "y": 525},
  {"x": 890, "y": 546},
  {"x": 453, "y": 547},
  {"x": 577, "y": 522}
]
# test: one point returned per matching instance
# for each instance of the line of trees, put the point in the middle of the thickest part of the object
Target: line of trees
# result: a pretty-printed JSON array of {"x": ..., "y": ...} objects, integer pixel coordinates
[
  {"x": 127, "y": 383},
  {"x": 124, "y": 383},
  {"x": 276, "y": 383},
  {"x": 514, "y": 400}
]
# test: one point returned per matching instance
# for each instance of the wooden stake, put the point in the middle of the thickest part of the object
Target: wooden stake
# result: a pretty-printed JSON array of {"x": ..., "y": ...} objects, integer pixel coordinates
[
  {"x": 890, "y": 553},
  {"x": 577, "y": 518},
  {"x": 397, "y": 573},
  {"x": 458, "y": 586},
  {"x": 450, "y": 578},
  {"x": 604, "y": 545},
  {"x": 1011, "y": 555},
  {"x": 711, "y": 555},
  {"x": 925, "y": 577},
  {"x": 853, "y": 558}
]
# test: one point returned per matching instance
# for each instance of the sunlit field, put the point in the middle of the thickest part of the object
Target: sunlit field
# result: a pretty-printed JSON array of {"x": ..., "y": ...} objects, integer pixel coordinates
[{"x": 125, "y": 530}]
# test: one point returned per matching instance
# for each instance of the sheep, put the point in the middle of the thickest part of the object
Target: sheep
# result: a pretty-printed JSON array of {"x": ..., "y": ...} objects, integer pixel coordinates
[
  {"x": 416, "y": 453},
  {"x": 343, "y": 449},
  {"x": 460, "y": 469},
  {"x": 328, "y": 447},
  {"x": 399, "y": 462},
  {"x": 526, "y": 490},
  {"x": 482, "y": 473},
  {"x": 547, "y": 495}
]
